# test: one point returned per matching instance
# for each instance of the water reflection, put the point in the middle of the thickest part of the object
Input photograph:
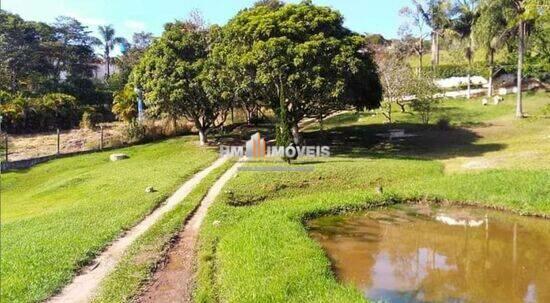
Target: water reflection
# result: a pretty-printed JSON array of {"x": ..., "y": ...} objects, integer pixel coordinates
[{"x": 420, "y": 254}]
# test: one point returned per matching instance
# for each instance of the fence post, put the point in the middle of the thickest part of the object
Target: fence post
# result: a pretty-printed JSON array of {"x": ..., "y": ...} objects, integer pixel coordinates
[
  {"x": 101, "y": 139},
  {"x": 6, "y": 147},
  {"x": 58, "y": 145}
]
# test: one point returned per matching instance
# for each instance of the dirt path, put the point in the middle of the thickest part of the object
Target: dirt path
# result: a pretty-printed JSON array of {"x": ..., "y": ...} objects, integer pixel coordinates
[
  {"x": 84, "y": 285},
  {"x": 174, "y": 281}
]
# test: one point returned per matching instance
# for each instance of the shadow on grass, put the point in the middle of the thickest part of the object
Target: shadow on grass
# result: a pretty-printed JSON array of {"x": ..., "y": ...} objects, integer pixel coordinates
[{"x": 428, "y": 142}]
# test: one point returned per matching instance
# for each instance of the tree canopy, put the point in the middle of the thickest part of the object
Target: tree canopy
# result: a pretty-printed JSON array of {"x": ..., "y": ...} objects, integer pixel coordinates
[{"x": 298, "y": 58}]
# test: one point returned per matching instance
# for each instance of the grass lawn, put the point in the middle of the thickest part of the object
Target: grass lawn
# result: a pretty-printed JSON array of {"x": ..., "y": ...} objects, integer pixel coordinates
[
  {"x": 57, "y": 216},
  {"x": 141, "y": 258},
  {"x": 260, "y": 252}
]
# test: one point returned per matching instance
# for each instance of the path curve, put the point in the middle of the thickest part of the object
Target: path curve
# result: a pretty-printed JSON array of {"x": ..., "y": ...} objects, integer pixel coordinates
[
  {"x": 174, "y": 281},
  {"x": 83, "y": 287}
]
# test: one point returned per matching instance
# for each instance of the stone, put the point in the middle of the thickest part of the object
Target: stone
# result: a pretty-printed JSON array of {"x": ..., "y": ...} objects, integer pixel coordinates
[
  {"x": 484, "y": 101},
  {"x": 497, "y": 99},
  {"x": 150, "y": 189},
  {"x": 117, "y": 157}
]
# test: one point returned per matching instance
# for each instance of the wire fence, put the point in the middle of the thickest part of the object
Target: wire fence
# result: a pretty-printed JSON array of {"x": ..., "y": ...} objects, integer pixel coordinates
[{"x": 25, "y": 147}]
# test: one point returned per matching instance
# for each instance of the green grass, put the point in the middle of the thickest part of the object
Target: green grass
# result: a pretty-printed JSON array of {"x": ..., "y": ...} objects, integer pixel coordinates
[
  {"x": 260, "y": 252},
  {"x": 139, "y": 261},
  {"x": 57, "y": 216}
]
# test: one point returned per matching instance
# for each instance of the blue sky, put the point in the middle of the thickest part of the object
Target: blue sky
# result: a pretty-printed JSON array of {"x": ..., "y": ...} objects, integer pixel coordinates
[{"x": 129, "y": 16}]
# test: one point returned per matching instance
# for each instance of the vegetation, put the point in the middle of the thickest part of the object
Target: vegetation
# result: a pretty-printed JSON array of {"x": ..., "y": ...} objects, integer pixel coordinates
[
  {"x": 310, "y": 66},
  {"x": 57, "y": 216},
  {"x": 109, "y": 41},
  {"x": 38, "y": 59},
  {"x": 260, "y": 252},
  {"x": 180, "y": 56}
]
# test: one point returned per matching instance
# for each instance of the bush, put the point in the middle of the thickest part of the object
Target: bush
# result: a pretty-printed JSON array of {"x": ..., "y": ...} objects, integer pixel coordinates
[
  {"x": 443, "y": 124},
  {"x": 451, "y": 70},
  {"x": 90, "y": 118},
  {"x": 124, "y": 104},
  {"x": 50, "y": 111}
]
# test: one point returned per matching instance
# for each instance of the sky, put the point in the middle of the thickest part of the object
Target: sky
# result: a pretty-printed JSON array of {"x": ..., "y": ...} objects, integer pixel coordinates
[{"x": 129, "y": 16}]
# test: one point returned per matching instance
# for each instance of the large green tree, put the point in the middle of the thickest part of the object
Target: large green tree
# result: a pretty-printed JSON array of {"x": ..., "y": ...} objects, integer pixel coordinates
[
  {"x": 173, "y": 77},
  {"x": 22, "y": 55},
  {"x": 298, "y": 59}
]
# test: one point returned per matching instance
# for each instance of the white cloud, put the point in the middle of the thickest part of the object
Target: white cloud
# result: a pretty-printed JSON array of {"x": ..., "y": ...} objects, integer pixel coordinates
[{"x": 136, "y": 26}]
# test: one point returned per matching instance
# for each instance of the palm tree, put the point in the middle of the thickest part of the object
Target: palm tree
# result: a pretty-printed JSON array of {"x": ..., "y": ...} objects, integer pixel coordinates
[
  {"x": 463, "y": 25},
  {"x": 436, "y": 15},
  {"x": 490, "y": 34},
  {"x": 519, "y": 15},
  {"x": 109, "y": 42}
]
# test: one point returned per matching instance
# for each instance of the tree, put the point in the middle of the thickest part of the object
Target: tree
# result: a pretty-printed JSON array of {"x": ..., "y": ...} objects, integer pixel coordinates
[
  {"x": 395, "y": 77},
  {"x": 489, "y": 32},
  {"x": 109, "y": 42},
  {"x": 519, "y": 16},
  {"x": 416, "y": 21},
  {"x": 173, "y": 77},
  {"x": 466, "y": 11},
  {"x": 426, "y": 99},
  {"x": 297, "y": 56},
  {"x": 124, "y": 104},
  {"x": 21, "y": 53},
  {"x": 435, "y": 14},
  {"x": 71, "y": 51}
]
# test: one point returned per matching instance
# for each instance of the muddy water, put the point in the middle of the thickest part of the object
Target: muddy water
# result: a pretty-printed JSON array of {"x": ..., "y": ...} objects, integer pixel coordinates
[{"x": 421, "y": 254}]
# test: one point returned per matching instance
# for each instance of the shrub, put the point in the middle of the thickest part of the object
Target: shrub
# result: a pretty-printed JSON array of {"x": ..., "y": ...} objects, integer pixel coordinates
[
  {"x": 124, "y": 104},
  {"x": 452, "y": 70},
  {"x": 443, "y": 124}
]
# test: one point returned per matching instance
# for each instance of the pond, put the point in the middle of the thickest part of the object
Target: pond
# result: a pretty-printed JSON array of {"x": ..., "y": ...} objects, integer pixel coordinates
[{"x": 413, "y": 253}]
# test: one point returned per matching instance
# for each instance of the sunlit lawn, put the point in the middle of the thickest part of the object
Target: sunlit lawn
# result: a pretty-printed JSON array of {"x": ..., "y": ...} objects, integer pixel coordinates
[
  {"x": 261, "y": 252},
  {"x": 57, "y": 216}
]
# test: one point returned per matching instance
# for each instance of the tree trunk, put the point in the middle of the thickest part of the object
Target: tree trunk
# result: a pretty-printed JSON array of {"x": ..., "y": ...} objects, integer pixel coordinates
[
  {"x": 421, "y": 53},
  {"x": 470, "y": 55},
  {"x": 202, "y": 137},
  {"x": 108, "y": 69},
  {"x": 296, "y": 136},
  {"x": 521, "y": 46},
  {"x": 436, "y": 49},
  {"x": 491, "y": 71},
  {"x": 434, "y": 55}
]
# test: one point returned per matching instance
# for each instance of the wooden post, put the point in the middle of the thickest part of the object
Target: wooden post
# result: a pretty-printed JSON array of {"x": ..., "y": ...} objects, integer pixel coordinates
[
  {"x": 6, "y": 147},
  {"x": 101, "y": 138},
  {"x": 58, "y": 143}
]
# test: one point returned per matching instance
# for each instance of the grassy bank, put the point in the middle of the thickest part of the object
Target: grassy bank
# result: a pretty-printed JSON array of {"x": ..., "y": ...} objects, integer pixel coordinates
[
  {"x": 57, "y": 216},
  {"x": 139, "y": 262},
  {"x": 260, "y": 252}
]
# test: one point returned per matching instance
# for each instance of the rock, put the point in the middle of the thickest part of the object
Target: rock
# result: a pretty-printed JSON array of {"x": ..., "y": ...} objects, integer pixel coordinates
[
  {"x": 484, "y": 101},
  {"x": 117, "y": 157},
  {"x": 150, "y": 189},
  {"x": 379, "y": 190},
  {"x": 497, "y": 99}
]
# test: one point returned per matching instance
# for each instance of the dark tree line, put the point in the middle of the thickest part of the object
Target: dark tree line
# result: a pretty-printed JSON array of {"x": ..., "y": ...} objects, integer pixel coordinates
[{"x": 41, "y": 62}]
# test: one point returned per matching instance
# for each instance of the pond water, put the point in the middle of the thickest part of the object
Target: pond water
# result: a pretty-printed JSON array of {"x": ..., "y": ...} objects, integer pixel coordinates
[{"x": 446, "y": 254}]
